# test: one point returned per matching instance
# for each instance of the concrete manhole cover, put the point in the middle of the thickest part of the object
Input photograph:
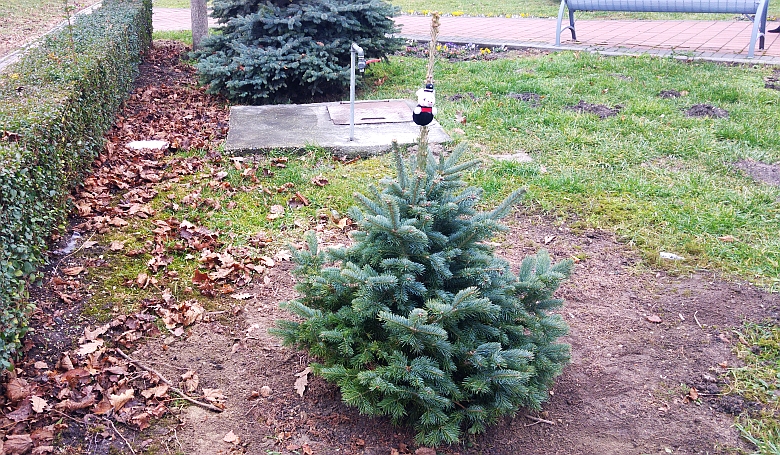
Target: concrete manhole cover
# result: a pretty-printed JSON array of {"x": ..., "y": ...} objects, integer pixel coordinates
[{"x": 368, "y": 112}]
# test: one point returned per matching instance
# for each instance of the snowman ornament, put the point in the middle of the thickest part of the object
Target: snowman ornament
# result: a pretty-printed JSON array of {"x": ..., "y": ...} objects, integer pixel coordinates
[{"x": 425, "y": 110}]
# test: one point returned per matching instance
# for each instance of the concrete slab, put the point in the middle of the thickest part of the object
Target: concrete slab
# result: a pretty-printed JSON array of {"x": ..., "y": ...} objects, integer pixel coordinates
[
  {"x": 295, "y": 126},
  {"x": 383, "y": 111}
]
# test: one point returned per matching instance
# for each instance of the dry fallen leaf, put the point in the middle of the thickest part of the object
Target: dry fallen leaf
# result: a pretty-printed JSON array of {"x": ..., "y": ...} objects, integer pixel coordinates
[
  {"x": 64, "y": 363},
  {"x": 319, "y": 180},
  {"x": 213, "y": 395},
  {"x": 157, "y": 392},
  {"x": 42, "y": 434},
  {"x": 231, "y": 438},
  {"x": 283, "y": 255},
  {"x": 71, "y": 405},
  {"x": 72, "y": 271},
  {"x": 22, "y": 413},
  {"x": 17, "y": 389},
  {"x": 38, "y": 404},
  {"x": 191, "y": 381},
  {"x": 117, "y": 222},
  {"x": 17, "y": 444},
  {"x": 89, "y": 244},
  {"x": 89, "y": 348},
  {"x": 118, "y": 401},
  {"x": 91, "y": 335},
  {"x": 116, "y": 245},
  {"x": 276, "y": 211},
  {"x": 267, "y": 261},
  {"x": 302, "y": 381},
  {"x": 654, "y": 318},
  {"x": 142, "y": 420},
  {"x": 102, "y": 407},
  {"x": 727, "y": 238}
]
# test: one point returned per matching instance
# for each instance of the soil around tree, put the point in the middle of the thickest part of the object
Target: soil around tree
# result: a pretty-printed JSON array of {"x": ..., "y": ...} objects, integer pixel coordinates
[{"x": 650, "y": 352}]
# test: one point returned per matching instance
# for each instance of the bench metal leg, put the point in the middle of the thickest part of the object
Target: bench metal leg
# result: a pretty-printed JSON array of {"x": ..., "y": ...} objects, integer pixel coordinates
[
  {"x": 558, "y": 29},
  {"x": 759, "y": 27}
]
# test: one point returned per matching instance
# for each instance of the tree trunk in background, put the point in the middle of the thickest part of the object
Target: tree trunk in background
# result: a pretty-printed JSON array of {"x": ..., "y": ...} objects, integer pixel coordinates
[{"x": 200, "y": 21}]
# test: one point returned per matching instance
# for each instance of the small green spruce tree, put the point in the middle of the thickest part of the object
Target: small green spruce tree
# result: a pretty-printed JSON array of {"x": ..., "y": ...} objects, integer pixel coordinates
[
  {"x": 418, "y": 320},
  {"x": 277, "y": 51}
]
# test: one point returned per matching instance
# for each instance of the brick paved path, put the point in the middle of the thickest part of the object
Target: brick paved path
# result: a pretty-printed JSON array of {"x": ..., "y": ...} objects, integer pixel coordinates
[{"x": 711, "y": 40}]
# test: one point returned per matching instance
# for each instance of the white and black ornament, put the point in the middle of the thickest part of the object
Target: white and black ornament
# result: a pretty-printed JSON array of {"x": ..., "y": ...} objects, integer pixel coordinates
[{"x": 425, "y": 110}]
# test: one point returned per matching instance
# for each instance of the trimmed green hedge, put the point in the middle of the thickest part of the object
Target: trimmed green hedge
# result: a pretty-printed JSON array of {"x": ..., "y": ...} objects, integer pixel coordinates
[{"x": 57, "y": 102}]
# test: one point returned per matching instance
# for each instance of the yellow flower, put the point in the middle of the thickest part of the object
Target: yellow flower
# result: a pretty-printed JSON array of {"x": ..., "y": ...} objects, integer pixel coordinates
[
  {"x": 484, "y": 51},
  {"x": 14, "y": 75},
  {"x": 457, "y": 13}
]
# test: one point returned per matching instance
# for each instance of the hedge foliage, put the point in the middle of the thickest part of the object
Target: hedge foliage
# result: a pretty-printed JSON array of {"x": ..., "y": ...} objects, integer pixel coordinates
[{"x": 58, "y": 101}]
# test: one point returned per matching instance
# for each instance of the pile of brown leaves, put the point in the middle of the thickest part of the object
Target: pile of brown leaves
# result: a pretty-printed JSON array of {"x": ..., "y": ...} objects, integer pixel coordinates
[{"x": 94, "y": 385}]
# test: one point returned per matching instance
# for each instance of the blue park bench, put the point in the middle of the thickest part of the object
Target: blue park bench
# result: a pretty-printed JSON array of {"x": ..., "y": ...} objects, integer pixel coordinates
[{"x": 755, "y": 9}]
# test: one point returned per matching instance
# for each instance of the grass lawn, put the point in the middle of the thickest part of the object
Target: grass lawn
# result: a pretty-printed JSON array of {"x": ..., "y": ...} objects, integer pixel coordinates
[
  {"x": 24, "y": 20},
  {"x": 661, "y": 180}
]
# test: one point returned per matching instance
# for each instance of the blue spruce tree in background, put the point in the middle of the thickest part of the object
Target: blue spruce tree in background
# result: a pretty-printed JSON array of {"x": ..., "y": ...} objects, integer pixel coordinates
[
  {"x": 418, "y": 320},
  {"x": 278, "y": 51}
]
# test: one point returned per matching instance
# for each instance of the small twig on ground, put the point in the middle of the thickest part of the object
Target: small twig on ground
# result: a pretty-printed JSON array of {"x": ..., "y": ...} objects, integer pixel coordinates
[
  {"x": 127, "y": 443},
  {"x": 175, "y": 389},
  {"x": 252, "y": 408},
  {"x": 67, "y": 416},
  {"x": 538, "y": 420},
  {"x": 697, "y": 320}
]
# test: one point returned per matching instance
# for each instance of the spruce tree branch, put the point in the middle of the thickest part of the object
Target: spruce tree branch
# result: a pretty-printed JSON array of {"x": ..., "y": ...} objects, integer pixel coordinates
[{"x": 175, "y": 389}]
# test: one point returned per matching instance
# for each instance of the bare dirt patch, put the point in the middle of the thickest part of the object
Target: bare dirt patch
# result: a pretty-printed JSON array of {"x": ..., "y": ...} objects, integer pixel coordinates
[
  {"x": 599, "y": 109},
  {"x": 642, "y": 341},
  {"x": 532, "y": 99},
  {"x": 667, "y": 94},
  {"x": 773, "y": 81},
  {"x": 628, "y": 389},
  {"x": 763, "y": 172},
  {"x": 706, "y": 110}
]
